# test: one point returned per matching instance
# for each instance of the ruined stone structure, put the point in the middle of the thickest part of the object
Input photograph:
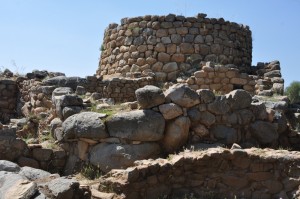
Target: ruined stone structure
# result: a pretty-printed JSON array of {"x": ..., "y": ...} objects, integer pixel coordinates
[
  {"x": 192, "y": 82},
  {"x": 175, "y": 48},
  {"x": 8, "y": 99},
  {"x": 171, "y": 45},
  {"x": 215, "y": 173}
]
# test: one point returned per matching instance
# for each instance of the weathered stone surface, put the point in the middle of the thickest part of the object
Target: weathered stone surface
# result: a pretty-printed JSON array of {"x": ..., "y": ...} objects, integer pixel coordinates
[
  {"x": 220, "y": 106},
  {"x": 182, "y": 95},
  {"x": 224, "y": 134},
  {"x": 22, "y": 189},
  {"x": 170, "y": 67},
  {"x": 259, "y": 110},
  {"x": 163, "y": 57},
  {"x": 116, "y": 156},
  {"x": 42, "y": 154},
  {"x": 23, "y": 161},
  {"x": 264, "y": 132},
  {"x": 203, "y": 117},
  {"x": 85, "y": 125},
  {"x": 9, "y": 166},
  {"x": 274, "y": 73},
  {"x": 170, "y": 110},
  {"x": 14, "y": 185},
  {"x": 186, "y": 48},
  {"x": 55, "y": 123},
  {"x": 63, "y": 81},
  {"x": 200, "y": 130},
  {"x": 206, "y": 96},
  {"x": 177, "y": 133},
  {"x": 239, "y": 99},
  {"x": 60, "y": 91},
  {"x": 70, "y": 100},
  {"x": 63, "y": 188},
  {"x": 139, "y": 125},
  {"x": 70, "y": 110},
  {"x": 33, "y": 174},
  {"x": 149, "y": 96}
]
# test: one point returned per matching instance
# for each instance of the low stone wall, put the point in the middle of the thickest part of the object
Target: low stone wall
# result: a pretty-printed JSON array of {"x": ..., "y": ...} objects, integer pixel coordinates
[
  {"x": 222, "y": 79},
  {"x": 214, "y": 173},
  {"x": 169, "y": 45},
  {"x": 119, "y": 89},
  {"x": 15, "y": 149},
  {"x": 8, "y": 99},
  {"x": 168, "y": 121}
]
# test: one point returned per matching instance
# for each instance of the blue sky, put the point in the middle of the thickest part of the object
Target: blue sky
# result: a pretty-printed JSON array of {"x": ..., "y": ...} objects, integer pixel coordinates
[{"x": 65, "y": 35}]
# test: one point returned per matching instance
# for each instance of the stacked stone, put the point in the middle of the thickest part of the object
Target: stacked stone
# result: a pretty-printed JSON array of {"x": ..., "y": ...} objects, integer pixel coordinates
[
  {"x": 269, "y": 80},
  {"x": 221, "y": 79},
  {"x": 119, "y": 89},
  {"x": 168, "y": 121},
  {"x": 8, "y": 99},
  {"x": 169, "y": 45},
  {"x": 35, "y": 97},
  {"x": 16, "y": 150},
  {"x": 215, "y": 173}
]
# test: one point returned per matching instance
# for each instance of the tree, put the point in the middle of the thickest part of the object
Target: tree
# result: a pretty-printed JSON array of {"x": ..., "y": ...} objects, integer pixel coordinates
[{"x": 293, "y": 92}]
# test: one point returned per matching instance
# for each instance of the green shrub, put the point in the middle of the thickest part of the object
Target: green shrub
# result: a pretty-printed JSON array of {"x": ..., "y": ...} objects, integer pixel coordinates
[
  {"x": 91, "y": 172},
  {"x": 293, "y": 92}
]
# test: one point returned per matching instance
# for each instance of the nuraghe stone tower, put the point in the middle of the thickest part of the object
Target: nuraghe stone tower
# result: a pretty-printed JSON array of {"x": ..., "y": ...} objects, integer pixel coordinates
[{"x": 169, "y": 46}]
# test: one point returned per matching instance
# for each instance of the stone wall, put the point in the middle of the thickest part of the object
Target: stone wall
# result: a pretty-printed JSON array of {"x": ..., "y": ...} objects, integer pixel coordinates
[
  {"x": 8, "y": 99},
  {"x": 221, "y": 79},
  {"x": 166, "y": 46},
  {"x": 215, "y": 173},
  {"x": 120, "y": 89},
  {"x": 169, "y": 121},
  {"x": 15, "y": 149}
]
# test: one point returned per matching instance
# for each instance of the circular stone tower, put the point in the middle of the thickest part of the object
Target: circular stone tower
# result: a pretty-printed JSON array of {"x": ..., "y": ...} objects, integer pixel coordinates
[{"x": 169, "y": 46}]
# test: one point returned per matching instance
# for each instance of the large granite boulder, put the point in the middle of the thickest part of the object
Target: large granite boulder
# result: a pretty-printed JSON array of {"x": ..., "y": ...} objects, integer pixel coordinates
[
  {"x": 239, "y": 99},
  {"x": 170, "y": 110},
  {"x": 177, "y": 132},
  {"x": 206, "y": 96},
  {"x": 203, "y": 117},
  {"x": 60, "y": 91},
  {"x": 224, "y": 134},
  {"x": 116, "y": 156},
  {"x": 139, "y": 125},
  {"x": 219, "y": 106},
  {"x": 63, "y": 188},
  {"x": 264, "y": 132},
  {"x": 33, "y": 174},
  {"x": 27, "y": 182},
  {"x": 149, "y": 96},
  {"x": 84, "y": 125},
  {"x": 67, "y": 105},
  {"x": 182, "y": 95},
  {"x": 9, "y": 166},
  {"x": 13, "y": 185}
]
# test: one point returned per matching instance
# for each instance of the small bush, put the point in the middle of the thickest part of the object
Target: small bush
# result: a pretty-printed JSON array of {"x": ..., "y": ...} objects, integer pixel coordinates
[
  {"x": 91, "y": 172},
  {"x": 293, "y": 92}
]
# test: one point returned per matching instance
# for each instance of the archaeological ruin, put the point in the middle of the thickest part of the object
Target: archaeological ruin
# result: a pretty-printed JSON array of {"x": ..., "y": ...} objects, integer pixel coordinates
[{"x": 175, "y": 110}]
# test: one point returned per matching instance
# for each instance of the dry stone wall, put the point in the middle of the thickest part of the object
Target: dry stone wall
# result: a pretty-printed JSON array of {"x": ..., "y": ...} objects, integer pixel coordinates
[
  {"x": 166, "y": 46},
  {"x": 119, "y": 89},
  {"x": 8, "y": 99},
  {"x": 15, "y": 149},
  {"x": 168, "y": 121},
  {"x": 221, "y": 79},
  {"x": 214, "y": 173}
]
